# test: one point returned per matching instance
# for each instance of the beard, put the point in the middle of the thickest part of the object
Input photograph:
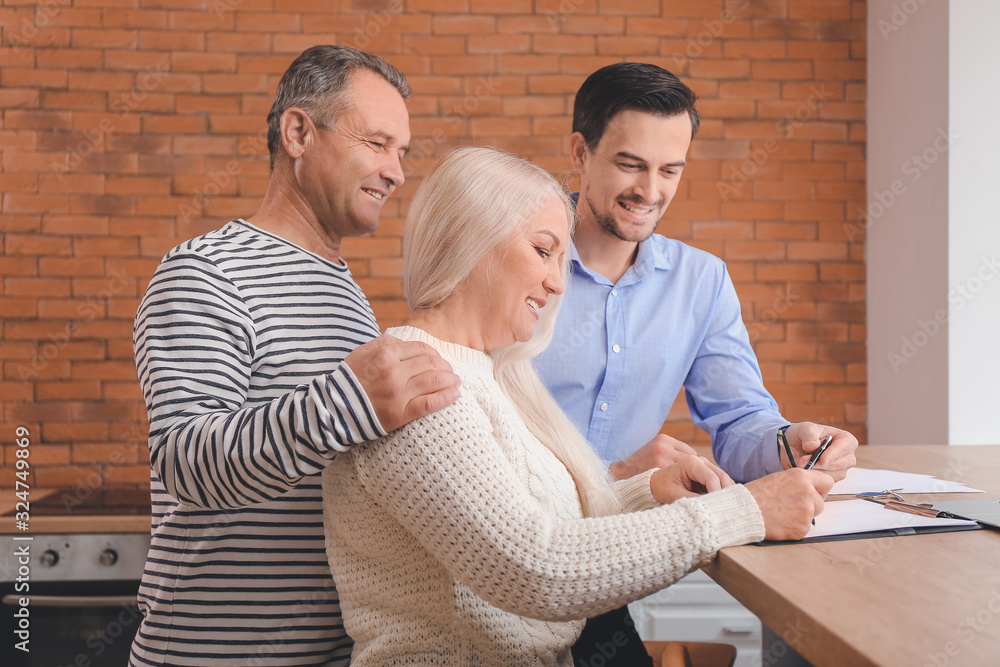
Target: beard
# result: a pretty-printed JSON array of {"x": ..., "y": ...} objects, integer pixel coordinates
[{"x": 606, "y": 221}]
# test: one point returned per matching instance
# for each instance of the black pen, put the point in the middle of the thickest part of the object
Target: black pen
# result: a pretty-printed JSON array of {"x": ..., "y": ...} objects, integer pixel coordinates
[
  {"x": 815, "y": 457},
  {"x": 818, "y": 453}
]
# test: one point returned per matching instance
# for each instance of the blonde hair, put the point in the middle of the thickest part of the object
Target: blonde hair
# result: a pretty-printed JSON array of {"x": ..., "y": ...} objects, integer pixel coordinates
[{"x": 473, "y": 202}]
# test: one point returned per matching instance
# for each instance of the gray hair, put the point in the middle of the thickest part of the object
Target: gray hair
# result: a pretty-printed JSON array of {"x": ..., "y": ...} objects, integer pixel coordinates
[
  {"x": 472, "y": 203},
  {"x": 318, "y": 83},
  {"x": 474, "y": 200}
]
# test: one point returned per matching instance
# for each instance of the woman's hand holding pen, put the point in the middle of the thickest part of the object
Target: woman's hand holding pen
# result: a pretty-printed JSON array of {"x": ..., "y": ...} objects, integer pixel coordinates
[
  {"x": 805, "y": 437},
  {"x": 789, "y": 500},
  {"x": 691, "y": 476}
]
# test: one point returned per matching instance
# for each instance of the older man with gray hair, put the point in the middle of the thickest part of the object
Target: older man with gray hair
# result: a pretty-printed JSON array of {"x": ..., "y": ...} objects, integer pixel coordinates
[{"x": 260, "y": 359}]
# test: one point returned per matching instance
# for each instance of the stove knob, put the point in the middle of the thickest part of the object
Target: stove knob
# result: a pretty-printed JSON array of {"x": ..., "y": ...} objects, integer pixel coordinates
[
  {"x": 49, "y": 558},
  {"x": 109, "y": 557}
]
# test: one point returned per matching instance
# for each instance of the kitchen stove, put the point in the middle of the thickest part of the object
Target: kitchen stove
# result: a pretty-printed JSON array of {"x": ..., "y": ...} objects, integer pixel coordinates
[{"x": 73, "y": 578}]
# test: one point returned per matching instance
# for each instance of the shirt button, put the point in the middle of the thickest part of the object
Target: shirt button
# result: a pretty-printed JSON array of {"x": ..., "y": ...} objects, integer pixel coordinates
[
  {"x": 616, "y": 348},
  {"x": 604, "y": 407},
  {"x": 614, "y": 292}
]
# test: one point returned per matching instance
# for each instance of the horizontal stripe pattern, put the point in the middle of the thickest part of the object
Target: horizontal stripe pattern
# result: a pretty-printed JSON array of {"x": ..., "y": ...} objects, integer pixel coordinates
[{"x": 239, "y": 342}]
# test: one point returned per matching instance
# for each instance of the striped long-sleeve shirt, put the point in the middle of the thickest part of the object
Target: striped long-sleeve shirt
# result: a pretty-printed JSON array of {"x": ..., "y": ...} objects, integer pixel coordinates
[{"x": 238, "y": 343}]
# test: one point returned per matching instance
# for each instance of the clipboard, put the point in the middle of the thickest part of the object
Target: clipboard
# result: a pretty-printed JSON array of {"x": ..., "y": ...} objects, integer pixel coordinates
[
  {"x": 873, "y": 534},
  {"x": 986, "y": 512},
  {"x": 862, "y": 519}
]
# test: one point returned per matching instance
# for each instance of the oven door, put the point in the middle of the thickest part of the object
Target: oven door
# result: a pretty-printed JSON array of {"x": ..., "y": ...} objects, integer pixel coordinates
[{"x": 71, "y": 624}]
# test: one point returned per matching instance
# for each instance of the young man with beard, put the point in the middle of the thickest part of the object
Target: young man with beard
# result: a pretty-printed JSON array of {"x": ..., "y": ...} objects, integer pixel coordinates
[{"x": 645, "y": 315}]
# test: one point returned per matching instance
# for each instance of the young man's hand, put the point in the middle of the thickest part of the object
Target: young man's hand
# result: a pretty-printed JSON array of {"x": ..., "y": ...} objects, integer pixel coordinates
[
  {"x": 689, "y": 477},
  {"x": 805, "y": 437},
  {"x": 660, "y": 452}
]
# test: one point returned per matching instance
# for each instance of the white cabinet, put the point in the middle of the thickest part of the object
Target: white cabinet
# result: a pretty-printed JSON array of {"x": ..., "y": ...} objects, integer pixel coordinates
[{"x": 698, "y": 609}]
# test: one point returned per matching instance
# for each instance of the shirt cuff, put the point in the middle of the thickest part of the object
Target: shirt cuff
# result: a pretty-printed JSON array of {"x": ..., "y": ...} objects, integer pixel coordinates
[
  {"x": 635, "y": 494},
  {"x": 736, "y": 516},
  {"x": 770, "y": 458},
  {"x": 352, "y": 413}
]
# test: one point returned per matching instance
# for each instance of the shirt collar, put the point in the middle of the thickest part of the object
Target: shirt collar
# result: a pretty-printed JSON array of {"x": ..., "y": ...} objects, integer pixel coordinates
[{"x": 650, "y": 257}]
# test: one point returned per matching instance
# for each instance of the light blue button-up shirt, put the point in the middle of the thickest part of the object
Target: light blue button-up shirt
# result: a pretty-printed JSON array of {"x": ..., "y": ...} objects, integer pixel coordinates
[{"x": 622, "y": 351}]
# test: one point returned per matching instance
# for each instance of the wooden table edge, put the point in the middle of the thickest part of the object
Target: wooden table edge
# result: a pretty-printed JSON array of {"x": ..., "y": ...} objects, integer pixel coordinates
[{"x": 763, "y": 601}]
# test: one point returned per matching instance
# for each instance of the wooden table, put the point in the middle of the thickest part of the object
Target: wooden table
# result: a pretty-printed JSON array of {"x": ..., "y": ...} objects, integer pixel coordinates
[{"x": 921, "y": 601}]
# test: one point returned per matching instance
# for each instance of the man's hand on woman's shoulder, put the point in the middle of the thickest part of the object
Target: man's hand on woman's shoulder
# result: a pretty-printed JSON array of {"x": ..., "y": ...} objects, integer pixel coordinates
[{"x": 404, "y": 380}]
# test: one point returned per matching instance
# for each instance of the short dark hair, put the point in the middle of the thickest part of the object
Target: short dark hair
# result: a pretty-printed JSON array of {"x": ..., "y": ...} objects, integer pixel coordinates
[
  {"x": 317, "y": 81},
  {"x": 623, "y": 86}
]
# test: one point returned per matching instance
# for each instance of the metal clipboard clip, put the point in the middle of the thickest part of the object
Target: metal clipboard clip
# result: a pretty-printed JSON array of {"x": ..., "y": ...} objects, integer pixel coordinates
[
  {"x": 890, "y": 499},
  {"x": 882, "y": 495}
]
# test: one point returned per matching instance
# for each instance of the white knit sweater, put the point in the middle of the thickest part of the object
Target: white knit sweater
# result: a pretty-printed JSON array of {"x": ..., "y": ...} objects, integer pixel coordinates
[{"x": 458, "y": 539}]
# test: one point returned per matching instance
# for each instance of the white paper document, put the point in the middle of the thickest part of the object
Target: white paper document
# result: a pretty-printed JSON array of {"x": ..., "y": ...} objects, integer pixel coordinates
[
  {"x": 846, "y": 517},
  {"x": 864, "y": 480}
]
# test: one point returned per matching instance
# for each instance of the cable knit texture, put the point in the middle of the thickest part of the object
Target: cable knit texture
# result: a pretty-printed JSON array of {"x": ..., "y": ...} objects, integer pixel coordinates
[{"x": 458, "y": 539}]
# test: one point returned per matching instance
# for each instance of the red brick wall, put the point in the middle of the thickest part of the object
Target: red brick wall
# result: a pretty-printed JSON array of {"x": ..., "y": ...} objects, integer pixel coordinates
[{"x": 126, "y": 130}]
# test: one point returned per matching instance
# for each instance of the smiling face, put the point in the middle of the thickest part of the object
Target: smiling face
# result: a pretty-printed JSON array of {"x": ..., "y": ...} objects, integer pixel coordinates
[
  {"x": 517, "y": 279},
  {"x": 350, "y": 169},
  {"x": 628, "y": 180}
]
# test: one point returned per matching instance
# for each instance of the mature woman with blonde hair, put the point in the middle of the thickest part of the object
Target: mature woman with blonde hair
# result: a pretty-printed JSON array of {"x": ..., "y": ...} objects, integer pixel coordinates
[{"x": 479, "y": 534}]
